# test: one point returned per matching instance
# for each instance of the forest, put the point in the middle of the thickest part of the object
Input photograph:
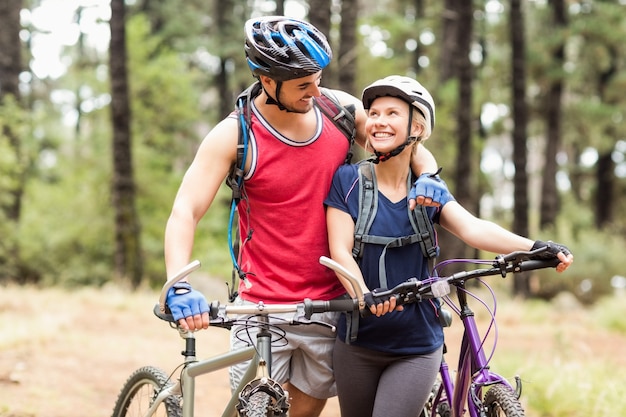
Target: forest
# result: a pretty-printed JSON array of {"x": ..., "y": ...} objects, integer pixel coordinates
[{"x": 103, "y": 104}]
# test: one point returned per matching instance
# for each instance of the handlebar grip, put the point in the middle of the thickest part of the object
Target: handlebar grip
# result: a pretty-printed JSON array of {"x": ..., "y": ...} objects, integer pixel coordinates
[
  {"x": 341, "y": 304},
  {"x": 531, "y": 265}
]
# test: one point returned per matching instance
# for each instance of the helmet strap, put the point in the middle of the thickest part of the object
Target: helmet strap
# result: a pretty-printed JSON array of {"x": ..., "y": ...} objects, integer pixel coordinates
[
  {"x": 276, "y": 102},
  {"x": 381, "y": 157}
]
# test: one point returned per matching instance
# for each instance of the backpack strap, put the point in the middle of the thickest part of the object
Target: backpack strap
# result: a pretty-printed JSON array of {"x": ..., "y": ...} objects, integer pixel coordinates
[
  {"x": 242, "y": 111},
  {"x": 368, "y": 207},
  {"x": 343, "y": 117},
  {"x": 423, "y": 225}
]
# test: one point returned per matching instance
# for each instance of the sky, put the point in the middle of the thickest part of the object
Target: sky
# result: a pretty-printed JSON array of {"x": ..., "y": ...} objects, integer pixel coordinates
[{"x": 54, "y": 26}]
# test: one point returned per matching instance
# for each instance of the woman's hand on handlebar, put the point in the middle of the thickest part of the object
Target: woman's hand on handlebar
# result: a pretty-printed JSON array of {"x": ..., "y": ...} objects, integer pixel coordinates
[
  {"x": 379, "y": 306},
  {"x": 555, "y": 250},
  {"x": 566, "y": 261}
]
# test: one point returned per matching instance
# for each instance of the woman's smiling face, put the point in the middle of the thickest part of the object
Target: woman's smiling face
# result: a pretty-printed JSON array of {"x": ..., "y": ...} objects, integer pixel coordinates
[{"x": 387, "y": 123}]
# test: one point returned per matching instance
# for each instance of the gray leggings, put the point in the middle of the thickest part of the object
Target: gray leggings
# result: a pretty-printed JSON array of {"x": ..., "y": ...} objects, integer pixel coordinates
[{"x": 377, "y": 384}]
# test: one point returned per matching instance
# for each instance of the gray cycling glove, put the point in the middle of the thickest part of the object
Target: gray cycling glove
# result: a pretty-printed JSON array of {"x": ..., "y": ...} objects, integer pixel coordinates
[{"x": 551, "y": 252}]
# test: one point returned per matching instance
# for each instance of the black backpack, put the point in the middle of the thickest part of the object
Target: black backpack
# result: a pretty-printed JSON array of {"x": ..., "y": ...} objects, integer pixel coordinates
[{"x": 424, "y": 233}]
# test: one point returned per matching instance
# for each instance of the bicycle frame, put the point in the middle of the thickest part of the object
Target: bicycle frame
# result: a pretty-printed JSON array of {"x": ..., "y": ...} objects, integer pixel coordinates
[
  {"x": 258, "y": 375},
  {"x": 473, "y": 368},
  {"x": 194, "y": 368}
]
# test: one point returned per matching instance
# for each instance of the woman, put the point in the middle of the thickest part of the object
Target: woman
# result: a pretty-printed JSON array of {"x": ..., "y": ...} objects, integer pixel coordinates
[{"x": 389, "y": 369}]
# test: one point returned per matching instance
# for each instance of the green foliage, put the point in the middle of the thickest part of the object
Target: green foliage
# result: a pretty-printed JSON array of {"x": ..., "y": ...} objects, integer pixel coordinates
[
  {"x": 599, "y": 390},
  {"x": 562, "y": 375},
  {"x": 597, "y": 257},
  {"x": 166, "y": 116},
  {"x": 610, "y": 313},
  {"x": 66, "y": 231},
  {"x": 14, "y": 165}
]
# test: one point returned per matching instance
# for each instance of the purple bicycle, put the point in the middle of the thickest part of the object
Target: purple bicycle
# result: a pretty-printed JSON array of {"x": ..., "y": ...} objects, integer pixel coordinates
[{"x": 475, "y": 390}]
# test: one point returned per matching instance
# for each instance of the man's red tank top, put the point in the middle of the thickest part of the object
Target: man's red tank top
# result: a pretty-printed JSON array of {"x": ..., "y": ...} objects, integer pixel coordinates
[{"x": 285, "y": 216}]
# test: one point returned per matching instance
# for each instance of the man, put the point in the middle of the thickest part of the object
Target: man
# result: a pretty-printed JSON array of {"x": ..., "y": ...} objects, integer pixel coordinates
[{"x": 294, "y": 152}]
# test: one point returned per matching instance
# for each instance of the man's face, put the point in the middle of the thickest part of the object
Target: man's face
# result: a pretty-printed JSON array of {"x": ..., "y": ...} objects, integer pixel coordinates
[{"x": 297, "y": 94}]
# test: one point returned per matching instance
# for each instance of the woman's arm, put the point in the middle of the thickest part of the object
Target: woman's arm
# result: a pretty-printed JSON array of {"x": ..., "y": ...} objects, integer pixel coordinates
[
  {"x": 480, "y": 234},
  {"x": 485, "y": 235},
  {"x": 341, "y": 242}
]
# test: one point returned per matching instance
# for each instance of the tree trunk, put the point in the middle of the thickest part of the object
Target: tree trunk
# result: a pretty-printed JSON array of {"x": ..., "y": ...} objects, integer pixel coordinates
[
  {"x": 128, "y": 262},
  {"x": 521, "y": 284},
  {"x": 280, "y": 7},
  {"x": 11, "y": 195},
  {"x": 451, "y": 247},
  {"x": 605, "y": 196},
  {"x": 223, "y": 9},
  {"x": 549, "y": 191},
  {"x": 10, "y": 68},
  {"x": 348, "y": 46},
  {"x": 449, "y": 39},
  {"x": 419, "y": 16},
  {"x": 319, "y": 16}
]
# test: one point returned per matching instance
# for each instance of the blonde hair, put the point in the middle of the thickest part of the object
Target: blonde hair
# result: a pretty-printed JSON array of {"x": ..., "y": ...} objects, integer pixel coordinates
[{"x": 420, "y": 120}]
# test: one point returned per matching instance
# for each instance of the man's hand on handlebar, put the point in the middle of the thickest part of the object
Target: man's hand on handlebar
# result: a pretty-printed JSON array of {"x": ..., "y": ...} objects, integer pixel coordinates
[
  {"x": 429, "y": 190},
  {"x": 555, "y": 250},
  {"x": 188, "y": 306},
  {"x": 379, "y": 306}
]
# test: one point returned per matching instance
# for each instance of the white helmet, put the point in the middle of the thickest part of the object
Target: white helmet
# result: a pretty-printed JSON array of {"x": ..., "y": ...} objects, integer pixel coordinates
[{"x": 407, "y": 89}]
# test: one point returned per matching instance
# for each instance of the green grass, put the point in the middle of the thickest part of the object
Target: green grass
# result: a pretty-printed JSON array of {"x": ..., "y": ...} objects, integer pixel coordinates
[{"x": 571, "y": 360}]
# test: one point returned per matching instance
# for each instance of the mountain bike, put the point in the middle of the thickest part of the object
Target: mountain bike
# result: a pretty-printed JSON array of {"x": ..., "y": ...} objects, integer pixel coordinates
[
  {"x": 150, "y": 391},
  {"x": 476, "y": 389}
]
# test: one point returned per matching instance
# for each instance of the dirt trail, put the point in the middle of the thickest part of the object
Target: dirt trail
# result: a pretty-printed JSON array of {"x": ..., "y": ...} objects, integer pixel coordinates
[{"x": 68, "y": 355}]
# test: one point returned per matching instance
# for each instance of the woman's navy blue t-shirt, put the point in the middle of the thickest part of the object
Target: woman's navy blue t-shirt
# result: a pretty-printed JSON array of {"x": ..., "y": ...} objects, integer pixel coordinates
[{"x": 416, "y": 329}]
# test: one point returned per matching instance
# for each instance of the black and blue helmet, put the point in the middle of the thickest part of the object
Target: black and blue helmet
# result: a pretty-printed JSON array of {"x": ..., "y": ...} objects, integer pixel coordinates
[{"x": 283, "y": 48}]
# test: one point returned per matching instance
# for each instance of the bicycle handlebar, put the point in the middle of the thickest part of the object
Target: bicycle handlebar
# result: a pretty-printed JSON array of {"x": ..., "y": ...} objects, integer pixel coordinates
[
  {"x": 412, "y": 290},
  {"x": 219, "y": 314}
]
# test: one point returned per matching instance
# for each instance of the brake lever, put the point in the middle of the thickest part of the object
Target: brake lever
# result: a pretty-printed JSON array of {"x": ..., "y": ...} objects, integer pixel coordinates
[{"x": 514, "y": 259}]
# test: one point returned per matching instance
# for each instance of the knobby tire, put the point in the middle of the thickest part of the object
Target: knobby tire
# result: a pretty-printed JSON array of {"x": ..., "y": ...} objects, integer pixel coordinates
[
  {"x": 441, "y": 409},
  {"x": 258, "y": 405},
  {"x": 139, "y": 392},
  {"x": 500, "y": 400}
]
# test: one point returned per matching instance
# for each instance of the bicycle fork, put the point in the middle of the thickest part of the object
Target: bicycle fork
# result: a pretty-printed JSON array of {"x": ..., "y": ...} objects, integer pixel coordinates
[
  {"x": 473, "y": 371},
  {"x": 263, "y": 382}
]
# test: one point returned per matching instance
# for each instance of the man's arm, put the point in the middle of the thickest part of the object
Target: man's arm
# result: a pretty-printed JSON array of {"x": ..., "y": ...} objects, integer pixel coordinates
[
  {"x": 203, "y": 178},
  {"x": 215, "y": 156},
  {"x": 423, "y": 161}
]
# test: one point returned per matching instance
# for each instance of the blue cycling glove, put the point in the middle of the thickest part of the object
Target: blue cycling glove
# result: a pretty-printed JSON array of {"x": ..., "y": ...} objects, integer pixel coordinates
[
  {"x": 431, "y": 186},
  {"x": 184, "y": 301}
]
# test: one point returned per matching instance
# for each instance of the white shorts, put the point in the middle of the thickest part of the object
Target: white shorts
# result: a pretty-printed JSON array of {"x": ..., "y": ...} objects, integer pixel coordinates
[{"x": 303, "y": 357}]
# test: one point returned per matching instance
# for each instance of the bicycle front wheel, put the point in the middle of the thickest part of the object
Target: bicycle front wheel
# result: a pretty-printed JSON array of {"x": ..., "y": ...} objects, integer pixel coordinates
[
  {"x": 436, "y": 406},
  {"x": 501, "y": 401},
  {"x": 140, "y": 391},
  {"x": 258, "y": 405}
]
